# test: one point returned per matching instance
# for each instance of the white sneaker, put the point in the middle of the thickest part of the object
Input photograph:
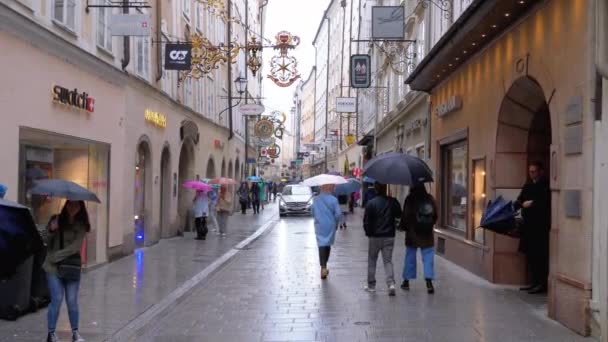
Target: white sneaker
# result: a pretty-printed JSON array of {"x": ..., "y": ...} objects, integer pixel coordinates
[
  {"x": 223, "y": 235},
  {"x": 391, "y": 290},
  {"x": 369, "y": 288},
  {"x": 76, "y": 337}
]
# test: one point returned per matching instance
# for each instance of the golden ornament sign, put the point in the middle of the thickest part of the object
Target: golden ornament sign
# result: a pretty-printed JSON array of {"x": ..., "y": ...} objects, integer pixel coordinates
[
  {"x": 349, "y": 139},
  {"x": 264, "y": 128}
]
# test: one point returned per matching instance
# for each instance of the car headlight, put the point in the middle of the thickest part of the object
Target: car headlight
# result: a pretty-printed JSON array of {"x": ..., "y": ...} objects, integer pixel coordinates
[
  {"x": 309, "y": 203},
  {"x": 282, "y": 203}
]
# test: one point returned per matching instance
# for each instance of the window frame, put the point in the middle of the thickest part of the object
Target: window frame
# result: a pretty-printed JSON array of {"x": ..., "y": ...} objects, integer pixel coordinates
[
  {"x": 446, "y": 145},
  {"x": 63, "y": 22},
  {"x": 107, "y": 12},
  {"x": 187, "y": 9},
  {"x": 145, "y": 57}
]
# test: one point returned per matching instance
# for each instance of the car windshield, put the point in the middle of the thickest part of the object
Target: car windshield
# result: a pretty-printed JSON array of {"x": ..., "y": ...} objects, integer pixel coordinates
[{"x": 297, "y": 190}]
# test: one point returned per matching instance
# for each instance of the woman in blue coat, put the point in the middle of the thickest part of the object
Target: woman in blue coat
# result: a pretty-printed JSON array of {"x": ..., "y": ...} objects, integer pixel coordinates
[{"x": 327, "y": 213}]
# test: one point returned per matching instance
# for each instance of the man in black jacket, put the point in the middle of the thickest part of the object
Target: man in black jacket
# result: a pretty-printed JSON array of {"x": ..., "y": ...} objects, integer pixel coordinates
[
  {"x": 535, "y": 202},
  {"x": 379, "y": 224}
]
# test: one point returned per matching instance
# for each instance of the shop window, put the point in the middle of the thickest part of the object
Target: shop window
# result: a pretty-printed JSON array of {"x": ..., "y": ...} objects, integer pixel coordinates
[
  {"x": 64, "y": 13},
  {"x": 143, "y": 57},
  {"x": 479, "y": 198},
  {"x": 104, "y": 38},
  {"x": 454, "y": 185}
]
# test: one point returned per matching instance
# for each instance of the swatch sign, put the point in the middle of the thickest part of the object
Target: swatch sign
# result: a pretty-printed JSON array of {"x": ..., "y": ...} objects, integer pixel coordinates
[{"x": 74, "y": 98}]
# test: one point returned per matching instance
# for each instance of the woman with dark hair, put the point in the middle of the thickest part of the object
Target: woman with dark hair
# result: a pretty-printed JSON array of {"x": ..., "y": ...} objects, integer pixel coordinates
[
  {"x": 243, "y": 197},
  {"x": 66, "y": 233}
]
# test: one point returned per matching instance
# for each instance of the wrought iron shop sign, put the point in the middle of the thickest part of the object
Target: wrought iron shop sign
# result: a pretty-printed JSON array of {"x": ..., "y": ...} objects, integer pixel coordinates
[{"x": 360, "y": 71}]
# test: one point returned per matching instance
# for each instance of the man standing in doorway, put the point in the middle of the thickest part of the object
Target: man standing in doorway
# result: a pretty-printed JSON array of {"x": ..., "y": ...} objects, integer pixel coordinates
[
  {"x": 535, "y": 203},
  {"x": 379, "y": 224}
]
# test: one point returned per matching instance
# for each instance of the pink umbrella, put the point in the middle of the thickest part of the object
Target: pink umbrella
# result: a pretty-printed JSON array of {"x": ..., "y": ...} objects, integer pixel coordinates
[
  {"x": 223, "y": 181},
  {"x": 198, "y": 185}
]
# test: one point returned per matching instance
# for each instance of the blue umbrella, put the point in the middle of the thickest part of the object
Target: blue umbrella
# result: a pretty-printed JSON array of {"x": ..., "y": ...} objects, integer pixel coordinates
[
  {"x": 499, "y": 216},
  {"x": 63, "y": 189},
  {"x": 353, "y": 185},
  {"x": 398, "y": 168},
  {"x": 255, "y": 179},
  {"x": 19, "y": 237}
]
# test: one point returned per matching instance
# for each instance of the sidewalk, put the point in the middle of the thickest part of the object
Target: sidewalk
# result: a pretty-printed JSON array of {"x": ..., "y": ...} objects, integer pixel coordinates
[
  {"x": 119, "y": 292},
  {"x": 273, "y": 292}
]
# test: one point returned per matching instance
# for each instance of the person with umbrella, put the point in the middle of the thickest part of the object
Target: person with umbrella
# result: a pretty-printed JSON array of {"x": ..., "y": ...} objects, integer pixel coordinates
[
  {"x": 243, "y": 193},
  {"x": 255, "y": 197},
  {"x": 379, "y": 220},
  {"x": 200, "y": 207},
  {"x": 263, "y": 196},
  {"x": 535, "y": 203},
  {"x": 66, "y": 234},
  {"x": 418, "y": 219},
  {"x": 224, "y": 208}
]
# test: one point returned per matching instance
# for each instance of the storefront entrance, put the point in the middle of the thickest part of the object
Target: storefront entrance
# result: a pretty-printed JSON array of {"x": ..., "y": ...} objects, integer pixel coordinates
[
  {"x": 143, "y": 183},
  {"x": 186, "y": 173},
  {"x": 165, "y": 191},
  {"x": 210, "y": 169},
  {"x": 44, "y": 155},
  {"x": 523, "y": 136}
]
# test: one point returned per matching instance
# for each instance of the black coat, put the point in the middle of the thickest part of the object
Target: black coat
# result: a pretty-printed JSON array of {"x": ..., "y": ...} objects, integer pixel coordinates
[
  {"x": 414, "y": 237},
  {"x": 537, "y": 218},
  {"x": 380, "y": 215}
]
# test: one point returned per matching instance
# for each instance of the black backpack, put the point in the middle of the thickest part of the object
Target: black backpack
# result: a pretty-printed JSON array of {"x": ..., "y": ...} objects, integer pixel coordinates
[{"x": 425, "y": 217}]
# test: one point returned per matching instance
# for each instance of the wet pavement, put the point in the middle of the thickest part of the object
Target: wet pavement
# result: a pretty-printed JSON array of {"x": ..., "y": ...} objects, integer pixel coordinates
[
  {"x": 120, "y": 294},
  {"x": 272, "y": 291}
]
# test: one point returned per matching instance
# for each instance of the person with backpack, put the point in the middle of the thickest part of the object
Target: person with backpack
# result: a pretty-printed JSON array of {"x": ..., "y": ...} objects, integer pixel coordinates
[
  {"x": 379, "y": 224},
  {"x": 418, "y": 219},
  {"x": 327, "y": 214}
]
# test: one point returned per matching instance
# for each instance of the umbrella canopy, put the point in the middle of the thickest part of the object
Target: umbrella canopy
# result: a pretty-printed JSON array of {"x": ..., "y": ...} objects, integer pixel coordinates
[
  {"x": 63, "y": 189},
  {"x": 324, "y": 179},
  {"x": 499, "y": 216},
  {"x": 198, "y": 186},
  {"x": 398, "y": 168},
  {"x": 223, "y": 181},
  {"x": 19, "y": 237},
  {"x": 254, "y": 179},
  {"x": 351, "y": 186},
  {"x": 334, "y": 173}
]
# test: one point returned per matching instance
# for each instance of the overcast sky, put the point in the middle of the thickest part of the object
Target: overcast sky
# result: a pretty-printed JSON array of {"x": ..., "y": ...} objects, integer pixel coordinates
[{"x": 301, "y": 18}]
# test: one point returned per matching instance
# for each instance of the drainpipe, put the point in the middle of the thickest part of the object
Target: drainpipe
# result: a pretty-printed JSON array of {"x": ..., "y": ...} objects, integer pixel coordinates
[
  {"x": 327, "y": 86},
  {"x": 159, "y": 44},
  {"x": 229, "y": 67},
  {"x": 126, "y": 46}
]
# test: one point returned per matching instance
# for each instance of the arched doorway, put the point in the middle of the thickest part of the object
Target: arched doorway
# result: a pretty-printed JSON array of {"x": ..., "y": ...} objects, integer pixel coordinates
[
  {"x": 210, "y": 168},
  {"x": 230, "y": 170},
  {"x": 223, "y": 172},
  {"x": 165, "y": 191},
  {"x": 237, "y": 170},
  {"x": 142, "y": 195},
  {"x": 523, "y": 136},
  {"x": 185, "y": 173}
]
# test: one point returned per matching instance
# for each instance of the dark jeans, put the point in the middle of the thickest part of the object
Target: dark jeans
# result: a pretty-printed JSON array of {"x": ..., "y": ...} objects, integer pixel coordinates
[
  {"x": 243, "y": 207},
  {"x": 256, "y": 207},
  {"x": 57, "y": 288},
  {"x": 324, "y": 255},
  {"x": 201, "y": 227}
]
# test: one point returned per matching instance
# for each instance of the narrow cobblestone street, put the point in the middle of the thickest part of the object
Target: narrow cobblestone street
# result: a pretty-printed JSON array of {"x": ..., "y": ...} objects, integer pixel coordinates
[{"x": 272, "y": 292}]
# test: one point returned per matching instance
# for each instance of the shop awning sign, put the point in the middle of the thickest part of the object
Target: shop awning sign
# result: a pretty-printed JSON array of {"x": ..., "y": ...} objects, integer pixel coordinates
[
  {"x": 130, "y": 25},
  {"x": 178, "y": 56},
  {"x": 251, "y": 109},
  {"x": 360, "y": 71},
  {"x": 346, "y": 104}
]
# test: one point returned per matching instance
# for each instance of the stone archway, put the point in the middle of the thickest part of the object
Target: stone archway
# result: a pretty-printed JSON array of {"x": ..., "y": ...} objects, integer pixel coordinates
[
  {"x": 223, "y": 169},
  {"x": 210, "y": 173},
  {"x": 230, "y": 175},
  {"x": 523, "y": 136},
  {"x": 165, "y": 191},
  {"x": 185, "y": 173},
  {"x": 142, "y": 200},
  {"x": 237, "y": 170}
]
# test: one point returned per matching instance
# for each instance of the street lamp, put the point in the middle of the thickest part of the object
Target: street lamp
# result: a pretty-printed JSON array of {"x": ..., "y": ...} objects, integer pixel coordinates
[{"x": 241, "y": 84}]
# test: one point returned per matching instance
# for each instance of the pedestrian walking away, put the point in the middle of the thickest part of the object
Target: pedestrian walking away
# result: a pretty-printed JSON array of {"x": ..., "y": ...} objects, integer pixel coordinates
[
  {"x": 535, "y": 204},
  {"x": 418, "y": 219},
  {"x": 255, "y": 197},
  {"x": 200, "y": 207},
  {"x": 263, "y": 195},
  {"x": 343, "y": 202},
  {"x": 213, "y": 199},
  {"x": 224, "y": 208},
  {"x": 243, "y": 197},
  {"x": 66, "y": 232},
  {"x": 379, "y": 223},
  {"x": 275, "y": 188},
  {"x": 326, "y": 213}
]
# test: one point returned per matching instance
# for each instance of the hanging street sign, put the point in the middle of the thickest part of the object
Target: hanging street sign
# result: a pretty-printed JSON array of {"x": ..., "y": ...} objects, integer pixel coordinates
[
  {"x": 251, "y": 109},
  {"x": 178, "y": 56},
  {"x": 264, "y": 128},
  {"x": 346, "y": 104},
  {"x": 388, "y": 22},
  {"x": 360, "y": 71},
  {"x": 349, "y": 139},
  {"x": 130, "y": 25}
]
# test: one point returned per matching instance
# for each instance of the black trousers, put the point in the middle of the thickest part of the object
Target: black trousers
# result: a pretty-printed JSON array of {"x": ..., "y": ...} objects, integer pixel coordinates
[
  {"x": 201, "y": 227},
  {"x": 324, "y": 255},
  {"x": 538, "y": 260},
  {"x": 243, "y": 207},
  {"x": 256, "y": 207}
]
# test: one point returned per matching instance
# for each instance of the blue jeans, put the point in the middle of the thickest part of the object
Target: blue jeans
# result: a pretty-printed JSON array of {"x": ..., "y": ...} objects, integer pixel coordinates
[
  {"x": 57, "y": 287},
  {"x": 428, "y": 260}
]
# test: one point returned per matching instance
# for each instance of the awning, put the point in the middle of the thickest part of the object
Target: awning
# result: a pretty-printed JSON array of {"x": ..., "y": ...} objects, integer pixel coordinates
[
  {"x": 476, "y": 28},
  {"x": 366, "y": 140}
]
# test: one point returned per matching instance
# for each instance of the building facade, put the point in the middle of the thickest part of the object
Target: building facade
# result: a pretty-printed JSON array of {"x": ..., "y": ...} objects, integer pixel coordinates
[{"x": 104, "y": 113}]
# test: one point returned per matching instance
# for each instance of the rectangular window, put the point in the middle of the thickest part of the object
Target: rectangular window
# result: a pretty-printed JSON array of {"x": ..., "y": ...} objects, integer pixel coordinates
[
  {"x": 188, "y": 92},
  {"x": 64, "y": 12},
  {"x": 186, "y": 8},
  {"x": 454, "y": 182},
  {"x": 479, "y": 198},
  {"x": 420, "y": 42},
  {"x": 420, "y": 151},
  {"x": 104, "y": 39},
  {"x": 143, "y": 57},
  {"x": 199, "y": 17}
]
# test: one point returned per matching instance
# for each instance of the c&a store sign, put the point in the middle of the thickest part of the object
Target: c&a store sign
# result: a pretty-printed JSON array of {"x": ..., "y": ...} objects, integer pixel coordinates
[{"x": 73, "y": 98}]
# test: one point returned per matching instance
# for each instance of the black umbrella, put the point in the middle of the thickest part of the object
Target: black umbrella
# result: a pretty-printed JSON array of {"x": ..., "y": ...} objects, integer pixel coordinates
[
  {"x": 63, "y": 189},
  {"x": 499, "y": 216},
  {"x": 398, "y": 168},
  {"x": 19, "y": 237}
]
